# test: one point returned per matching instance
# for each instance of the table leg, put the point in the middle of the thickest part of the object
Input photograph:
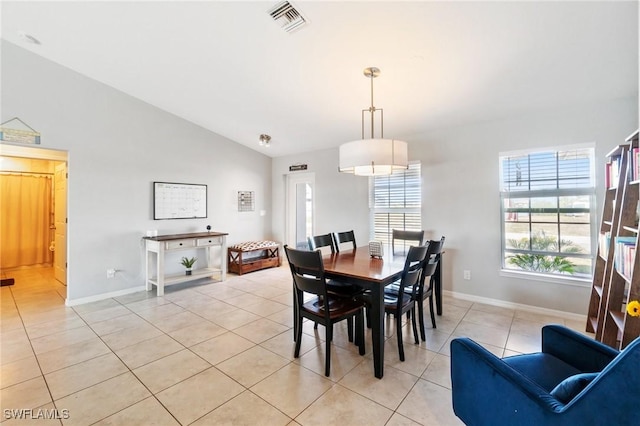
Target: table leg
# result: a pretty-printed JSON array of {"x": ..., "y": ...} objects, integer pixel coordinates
[{"x": 377, "y": 329}]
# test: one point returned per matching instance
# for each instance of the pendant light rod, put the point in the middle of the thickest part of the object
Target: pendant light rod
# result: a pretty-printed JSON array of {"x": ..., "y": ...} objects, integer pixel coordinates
[{"x": 371, "y": 73}]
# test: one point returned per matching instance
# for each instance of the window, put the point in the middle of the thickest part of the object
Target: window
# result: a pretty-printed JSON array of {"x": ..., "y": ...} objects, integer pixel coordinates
[
  {"x": 547, "y": 201},
  {"x": 395, "y": 203}
]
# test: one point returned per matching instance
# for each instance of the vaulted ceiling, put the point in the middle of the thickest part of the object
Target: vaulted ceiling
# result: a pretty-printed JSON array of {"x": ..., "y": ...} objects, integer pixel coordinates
[{"x": 229, "y": 67}]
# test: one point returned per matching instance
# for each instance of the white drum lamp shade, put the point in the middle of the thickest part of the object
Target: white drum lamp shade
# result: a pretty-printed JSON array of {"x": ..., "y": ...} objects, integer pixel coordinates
[{"x": 373, "y": 157}]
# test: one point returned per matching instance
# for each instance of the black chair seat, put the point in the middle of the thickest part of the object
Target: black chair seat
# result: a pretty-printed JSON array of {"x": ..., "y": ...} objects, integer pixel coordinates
[
  {"x": 337, "y": 307},
  {"x": 391, "y": 301},
  {"x": 343, "y": 289}
]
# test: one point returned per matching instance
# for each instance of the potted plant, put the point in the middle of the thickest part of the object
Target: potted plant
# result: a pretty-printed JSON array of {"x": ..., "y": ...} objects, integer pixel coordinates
[{"x": 188, "y": 262}]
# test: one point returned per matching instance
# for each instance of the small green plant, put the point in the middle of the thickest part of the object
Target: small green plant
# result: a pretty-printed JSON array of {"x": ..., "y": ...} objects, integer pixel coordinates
[
  {"x": 539, "y": 262},
  {"x": 188, "y": 262}
]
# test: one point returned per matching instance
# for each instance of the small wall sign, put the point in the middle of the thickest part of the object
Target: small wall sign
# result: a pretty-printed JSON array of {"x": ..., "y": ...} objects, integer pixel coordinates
[
  {"x": 297, "y": 167},
  {"x": 16, "y": 130}
]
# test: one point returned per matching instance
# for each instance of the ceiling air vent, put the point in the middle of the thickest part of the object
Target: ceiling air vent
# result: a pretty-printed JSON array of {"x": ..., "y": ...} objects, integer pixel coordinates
[{"x": 287, "y": 16}]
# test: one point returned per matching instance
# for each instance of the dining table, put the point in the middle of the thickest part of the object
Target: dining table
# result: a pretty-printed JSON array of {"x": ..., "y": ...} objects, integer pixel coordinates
[{"x": 358, "y": 267}]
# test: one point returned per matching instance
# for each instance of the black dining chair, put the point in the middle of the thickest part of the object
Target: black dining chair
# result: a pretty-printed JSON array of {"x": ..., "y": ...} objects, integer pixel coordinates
[
  {"x": 337, "y": 288},
  {"x": 427, "y": 281},
  {"x": 319, "y": 241},
  {"x": 343, "y": 238},
  {"x": 402, "y": 299},
  {"x": 308, "y": 274},
  {"x": 405, "y": 236}
]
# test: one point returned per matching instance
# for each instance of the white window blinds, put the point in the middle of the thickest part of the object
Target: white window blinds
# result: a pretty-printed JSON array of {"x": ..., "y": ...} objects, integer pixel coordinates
[{"x": 395, "y": 202}]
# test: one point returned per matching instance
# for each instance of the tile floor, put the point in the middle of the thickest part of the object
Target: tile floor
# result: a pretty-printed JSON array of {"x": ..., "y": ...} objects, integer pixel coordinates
[{"x": 215, "y": 353}]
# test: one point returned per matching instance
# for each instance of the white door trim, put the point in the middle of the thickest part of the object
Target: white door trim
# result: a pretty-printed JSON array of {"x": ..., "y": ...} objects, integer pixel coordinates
[{"x": 294, "y": 179}]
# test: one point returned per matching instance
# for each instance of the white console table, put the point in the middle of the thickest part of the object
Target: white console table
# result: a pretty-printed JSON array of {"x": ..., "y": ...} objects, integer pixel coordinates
[{"x": 158, "y": 246}]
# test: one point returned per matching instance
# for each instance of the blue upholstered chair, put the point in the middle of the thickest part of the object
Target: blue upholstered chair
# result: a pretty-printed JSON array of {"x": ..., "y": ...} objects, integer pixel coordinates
[{"x": 575, "y": 380}]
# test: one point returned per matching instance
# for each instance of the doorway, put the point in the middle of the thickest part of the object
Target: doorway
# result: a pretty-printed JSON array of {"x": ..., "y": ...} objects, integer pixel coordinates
[
  {"x": 300, "y": 216},
  {"x": 50, "y": 244}
]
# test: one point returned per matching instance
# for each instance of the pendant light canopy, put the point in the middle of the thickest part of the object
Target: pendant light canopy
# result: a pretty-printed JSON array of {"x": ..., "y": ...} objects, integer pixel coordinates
[{"x": 373, "y": 156}]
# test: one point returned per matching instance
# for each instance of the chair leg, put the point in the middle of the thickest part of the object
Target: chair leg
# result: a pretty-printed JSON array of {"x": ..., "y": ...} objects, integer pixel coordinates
[
  {"x": 413, "y": 324},
  {"x": 315, "y": 326},
  {"x": 367, "y": 314},
  {"x": 433, "y": 318},
  {"x": 350, "y": 328},
  {"x": 327, "y": 358},
  {"x": 399, "y": 333},
  {"x": 421, "y": 319},
  {"x": 296, "y": 354},
  {"x": 360, "y": 332}
]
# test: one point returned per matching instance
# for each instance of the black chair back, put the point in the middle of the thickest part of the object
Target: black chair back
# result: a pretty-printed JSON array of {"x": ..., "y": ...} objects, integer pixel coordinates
[
  {"x": 413, "y": 266},
  {"x": 434, "y": 251},
  {"x": 401, "y": 234},
  {"x": 307, "y": 270},
  {"x": 320, "y": 241},
  {"x": 344, "y": 237}
]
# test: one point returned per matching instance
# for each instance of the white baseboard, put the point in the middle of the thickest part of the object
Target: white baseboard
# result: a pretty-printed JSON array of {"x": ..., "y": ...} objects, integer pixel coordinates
[
  {"x": 99, "y": 297},
  {"x": 516, "y": 306}
]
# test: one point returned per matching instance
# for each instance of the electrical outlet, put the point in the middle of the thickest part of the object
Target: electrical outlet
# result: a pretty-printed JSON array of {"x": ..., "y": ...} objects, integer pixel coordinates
[
  {"x": 111, "y": 273},
  {"x": 467, "y": 274}
]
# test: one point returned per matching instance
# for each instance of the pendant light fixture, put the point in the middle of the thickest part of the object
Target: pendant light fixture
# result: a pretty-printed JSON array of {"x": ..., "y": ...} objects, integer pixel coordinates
[{"x": 373, "y": 156}]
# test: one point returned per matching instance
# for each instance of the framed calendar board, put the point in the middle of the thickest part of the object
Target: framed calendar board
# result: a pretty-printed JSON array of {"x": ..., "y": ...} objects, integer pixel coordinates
[{"x": 179, "y": 201}]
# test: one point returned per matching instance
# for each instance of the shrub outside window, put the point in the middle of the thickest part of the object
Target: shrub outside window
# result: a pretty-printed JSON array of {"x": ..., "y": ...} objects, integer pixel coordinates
[{"x": 547, "y": 200}]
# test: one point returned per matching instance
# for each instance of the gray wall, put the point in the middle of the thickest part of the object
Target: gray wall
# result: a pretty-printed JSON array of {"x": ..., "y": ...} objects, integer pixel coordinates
[
  {"x": 117, "y": 146},
  {"x": 461, "y": 194}
]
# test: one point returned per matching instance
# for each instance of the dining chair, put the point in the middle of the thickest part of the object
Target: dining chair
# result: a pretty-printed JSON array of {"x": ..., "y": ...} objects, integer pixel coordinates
[
  {"x": 319, "y": 241},
  {"x": 427, "y": 281},
  {"x": 337, "y": 288},
  {"x": 307, "y": 270},
  {"x": 404, "y": 236},
  {"x": 344, "y": 237},
  {"x": 401, "y": 300}
]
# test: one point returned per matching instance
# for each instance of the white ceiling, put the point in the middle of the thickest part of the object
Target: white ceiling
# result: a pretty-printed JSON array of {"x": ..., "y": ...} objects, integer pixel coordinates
[{"x": 228, "y": 67}]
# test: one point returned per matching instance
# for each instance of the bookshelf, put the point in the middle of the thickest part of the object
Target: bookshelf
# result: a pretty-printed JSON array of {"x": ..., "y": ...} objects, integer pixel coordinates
[{"x": 616, "y": 277}]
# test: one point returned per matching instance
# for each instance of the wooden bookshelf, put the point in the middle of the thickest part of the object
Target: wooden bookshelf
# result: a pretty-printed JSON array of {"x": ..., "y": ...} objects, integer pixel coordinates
[{"x": 616, "y": 277}]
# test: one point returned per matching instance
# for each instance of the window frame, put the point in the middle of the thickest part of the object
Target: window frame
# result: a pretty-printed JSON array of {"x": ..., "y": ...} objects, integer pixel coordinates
[{"x": 505, "y": 193}]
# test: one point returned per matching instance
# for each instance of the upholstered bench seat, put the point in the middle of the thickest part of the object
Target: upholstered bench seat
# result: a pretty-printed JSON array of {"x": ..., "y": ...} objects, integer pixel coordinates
[{"x": 251, "y": 256}]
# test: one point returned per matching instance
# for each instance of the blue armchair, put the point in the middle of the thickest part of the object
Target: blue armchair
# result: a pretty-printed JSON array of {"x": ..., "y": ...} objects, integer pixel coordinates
[{"x": 548, "y": 387}]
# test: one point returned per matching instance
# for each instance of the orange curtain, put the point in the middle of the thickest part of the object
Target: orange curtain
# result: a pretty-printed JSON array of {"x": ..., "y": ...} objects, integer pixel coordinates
[{"x": 25, "y": 219}]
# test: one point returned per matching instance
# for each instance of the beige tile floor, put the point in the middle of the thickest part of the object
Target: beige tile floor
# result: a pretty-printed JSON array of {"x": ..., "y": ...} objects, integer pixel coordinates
[{"x": 215, "y": 353}]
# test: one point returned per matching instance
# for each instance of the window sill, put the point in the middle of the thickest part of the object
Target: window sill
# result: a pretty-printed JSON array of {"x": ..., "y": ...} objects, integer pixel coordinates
[{"x": 572, "y": 281}]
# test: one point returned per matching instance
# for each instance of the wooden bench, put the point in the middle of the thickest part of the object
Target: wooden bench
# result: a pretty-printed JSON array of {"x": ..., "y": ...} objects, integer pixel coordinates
[{"x": 252, "y": 256}]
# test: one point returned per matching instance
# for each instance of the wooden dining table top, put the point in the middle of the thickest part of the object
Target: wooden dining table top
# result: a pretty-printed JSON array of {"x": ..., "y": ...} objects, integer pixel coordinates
[{"x": 357, "y": 263}]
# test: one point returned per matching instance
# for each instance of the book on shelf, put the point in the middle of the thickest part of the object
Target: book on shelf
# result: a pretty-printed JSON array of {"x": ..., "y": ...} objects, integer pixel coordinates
[
  {"x": 603, "y": 243},
  {"x": 612, "y": 172},
  {"x": 625, "y": 251}
]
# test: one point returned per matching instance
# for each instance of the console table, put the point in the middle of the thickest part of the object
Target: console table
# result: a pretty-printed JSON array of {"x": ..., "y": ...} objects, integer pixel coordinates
[{"x": 158, "y": 246}]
